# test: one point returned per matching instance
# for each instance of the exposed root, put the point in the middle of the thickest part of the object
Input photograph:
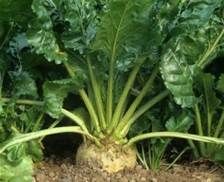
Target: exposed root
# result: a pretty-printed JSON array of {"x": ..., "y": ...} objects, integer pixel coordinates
[{"x": 111, "y": 157}]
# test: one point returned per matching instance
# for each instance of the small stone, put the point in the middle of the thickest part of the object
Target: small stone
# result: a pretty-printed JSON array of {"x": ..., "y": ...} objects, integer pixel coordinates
[
  {"x": 51, "y": 174},
  {"x": 40, "y": 177},
  {"x": 104, "y": 175},
  {"x": 138, "y": 167},
  {"x": 119, "y": 175},
  {"x": 63, "y": 166},
  {"x": 154, "y": 180},
  {"x": 143, "y": 179}
]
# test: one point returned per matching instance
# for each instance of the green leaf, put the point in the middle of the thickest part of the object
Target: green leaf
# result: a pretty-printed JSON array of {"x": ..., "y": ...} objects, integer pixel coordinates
[
  {"x": 220, "y": 84},
  {"x": 197, "y": 13},
  {"x": 178, "y": 77},
  {"x": 194, "y": 40},
  {"x": 16, "y": 153},
  {"x": 181, "y": 123},
  {"x": 56, "y": 91},
  {"x": 200, "y": 28},
  {"x": 82, "y": 17},
  {"x": 24, "y": 85},
  {"x": 181, "y": 63},
  {"x": 120, "y": 28},
  {"x": 33, "y": 149},
  {"x": 41, "y": 35},
  {"x": 11, "y": 172},
  {"x": 17, "y": 44}
]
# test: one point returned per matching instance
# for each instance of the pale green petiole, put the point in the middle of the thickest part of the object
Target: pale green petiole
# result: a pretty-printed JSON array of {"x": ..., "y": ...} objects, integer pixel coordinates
[
  {"x": 220, "y": 125},
  {"x": 123, "y": 132},
  {"x": 137, "y": 101},
  {"x": 76, "y": 119},
  {"x": 34, "y": 135},
  {"x": 174, "y": 135},
  {"x": 86, "y": 100},
  {"x": 124, "y": 95},
  {"x": 91, "y": 110},
  {"x": 97, "y": 95}
]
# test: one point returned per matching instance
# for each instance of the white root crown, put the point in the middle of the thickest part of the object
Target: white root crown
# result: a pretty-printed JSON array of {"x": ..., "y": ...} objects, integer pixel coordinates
[{"x": 111, "y": 157}]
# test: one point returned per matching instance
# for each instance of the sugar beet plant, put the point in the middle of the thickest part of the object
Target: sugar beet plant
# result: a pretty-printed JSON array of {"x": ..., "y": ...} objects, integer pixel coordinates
[{"x": 104, "y": 46}]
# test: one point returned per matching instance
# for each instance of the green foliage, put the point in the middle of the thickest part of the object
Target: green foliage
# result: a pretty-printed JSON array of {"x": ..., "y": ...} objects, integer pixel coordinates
[
  {"x": 55, "y": 92},
  {"x": 209, "y": 115},
  {"x": 152, "y": 151},
  {"x": 178, "y": 76},
  {"x": 122, "y": 28},
  {"x": 16, "y": 120},
  {"x": 181, "y": 123},
  {"x": 41, "y": 35},
  {"x": 23, "y": 85},
  {"x": 194, "y": 41},
  {"x": 15, "y": 11},
  {"x": 11, "y": 172},
  {"x": 17, "y": 161},
  {"x": 82, "y": 17}
]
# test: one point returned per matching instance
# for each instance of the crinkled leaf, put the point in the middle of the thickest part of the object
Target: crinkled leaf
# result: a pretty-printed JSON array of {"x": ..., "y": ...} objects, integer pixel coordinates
[
  {"x": 41, "y": 35},
  {"x": 197, "y": 13},
  {"x": 192, "y": 52},
  {"x": 82, "y": 19},
  {"x": 220, "y": 84},
  {"x": 194, "y": 40},
  {"x": 178, "y": 77},
  {"x": 12, "y": 172}
]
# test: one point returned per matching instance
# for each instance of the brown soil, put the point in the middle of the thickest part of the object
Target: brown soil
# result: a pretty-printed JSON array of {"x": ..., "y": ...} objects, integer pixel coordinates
[{"x": 64, "y": 170}]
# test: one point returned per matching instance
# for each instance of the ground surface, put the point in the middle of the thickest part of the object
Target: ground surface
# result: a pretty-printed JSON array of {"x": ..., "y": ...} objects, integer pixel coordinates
[{"x": 55, "y": 169}]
